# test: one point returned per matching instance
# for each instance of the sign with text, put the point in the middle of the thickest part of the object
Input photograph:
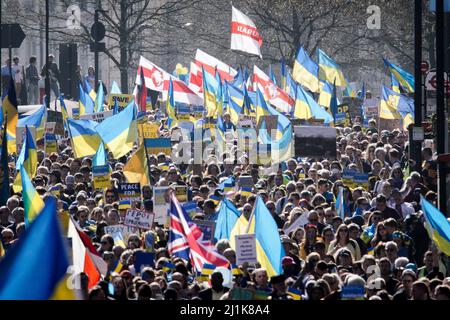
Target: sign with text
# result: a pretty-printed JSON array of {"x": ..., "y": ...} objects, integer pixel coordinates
[
  {"x": 161, "y": 204},
  {"x": 207, "y": 227},
  {"x": 191, "y": 208},
  {"x": 102, "y": 177},
  {"x": 130, "y": 191},
  {"x": 50, "y": 141},
  {"x": 139, "y": 219},
  {"x": 181, "y": 193},
  {"x": 98, "y": 117},
  {"x": 148, "y": 130},
  {"x": 122, "y": 100},
  {"x": 245, "y": 249},
  {"x": 121, "y": 233},
  {"x": 155, "y": 146}
]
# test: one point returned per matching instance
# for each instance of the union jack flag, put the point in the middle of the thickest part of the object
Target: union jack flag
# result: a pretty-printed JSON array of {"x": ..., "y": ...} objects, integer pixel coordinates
[{"x": 186, "y": 240}]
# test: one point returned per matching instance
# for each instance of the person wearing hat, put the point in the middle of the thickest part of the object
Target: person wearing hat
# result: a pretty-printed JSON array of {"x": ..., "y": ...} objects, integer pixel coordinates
[{"x": 279, "y": 290}]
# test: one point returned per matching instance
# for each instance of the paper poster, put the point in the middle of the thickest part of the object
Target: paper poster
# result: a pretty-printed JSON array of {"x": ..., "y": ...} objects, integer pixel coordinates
[
  {"x": 245, "y": 249},
  {"x": 139, "y": 219}
]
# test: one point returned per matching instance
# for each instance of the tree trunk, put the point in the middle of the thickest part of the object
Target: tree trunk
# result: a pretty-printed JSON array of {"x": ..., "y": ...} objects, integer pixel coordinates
[{"x": 123, "y": 69}]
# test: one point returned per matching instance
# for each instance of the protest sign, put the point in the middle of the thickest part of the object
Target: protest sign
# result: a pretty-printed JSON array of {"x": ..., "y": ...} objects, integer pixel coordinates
[
  {"x": 148, "y": 130},
  {"x": 181, "y": 193},
  {"x": 123, "y": 100},
  {"x": 238, "y": 293},
  {"x": 354, "y": 106},
  {"x": 98, "y": 116},
  {"x": 245, "y": 181},
  {"x": 246, "y": 121},
  {"x": 207, "y": 227},
  {"x": 57, "y": 117},
  {"x": 315, "y": 142},
  {"x": 347, "y": 177},
  {"x": 190, "y": 208},
  {"x": 245, "y": 249},
  {"x": 161, "y": 204},
  {"x": 198, "y": 112},
  {"x": 50, "y": 142},
  {"x": 120, "y": 233},
  {"x": 139, "y": 219},
  {"x": 101, "y": 177},
  {"x": 20, "y": 136},
  {"x": 361, "y": 179},
  {"x": 344, "y": 121},
  {"x": 155, "y": 146},
  {"x": 129, "y": 191},
  {"x": 371, "y": 109},
  {"x": 76, "y": 113}
]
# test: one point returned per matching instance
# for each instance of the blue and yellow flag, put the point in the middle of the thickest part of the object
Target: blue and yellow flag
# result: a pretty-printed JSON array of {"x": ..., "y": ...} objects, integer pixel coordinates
[
  {"x": 329, "y": 70},
  {"x": 348, "y": 91},
  {"x": 294, "y": 293},
  {"x": 12, "y": 116},
  {"x": 101, "y": 157},
  {"x": 85, "y": 102},
  {"x": 37, "y": 120},
  {"x": 438, "y": 226},
  {"x": 119, "y": 132},
  {"x": 226, "y": 219},
  {"x": 100, "y": 99},
  {"x": 326, "y": 93},
  {"x": 85, "y": 139},
  {"x": 208, "y": 269},
  {"x": 395, "y": 86},
  {"x": 27, "y": 159},
  {"x": 394, "y": 105},
  {"x": 136, "y": 168},
  {"x": 210, "y": 88},
  {"x": 32, "y": 202},
  {"x": 269, "y": 249},
  {"x": 405, "y": 79},
  {"x": 42, "y": 251},
  {"x": 306, "y": 107},
  {"x": 219, "y": 94},
  {"x": 170, "y": 107},
  {"x": 89, "y": 90},
  {"x": 306, "y": 71},
  {"x": 261, "y": 106}
]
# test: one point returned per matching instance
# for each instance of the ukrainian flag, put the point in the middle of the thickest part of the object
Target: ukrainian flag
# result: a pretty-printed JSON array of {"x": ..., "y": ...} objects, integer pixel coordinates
[
  {"x": 219, "y": 95},
  {"x": 32, "y": 202},
  {"x": 136, "y": 168},
  {"x": 100, "y": 99},
  {"x": 325, "y": 95},
  {"x": 36, "y": 267},
  {"x": 302, "y": 104},
  {"x": 238, "y": 80},
  {"x": 306, "y": 71},
  {"x": 101, "y": 157},
  {"x": 291, "y": 86},
  {"x": 348, "y": 91},
  {"x": 170, "y": 107},
  {"x": 246, "y": 104},
  {"x": 235, "y": 271},
  {"x": 208, "y": 269},
  {"x": 261, "y": 106},
  {"x": 294, "y": 293},
  {"x": 124, "y": 204},
  {"x": 37, "y": 120},
  {"x": 395, "y": 106},
  {"x": 63, "y": 107},
  {"x": 226, "y": 219},
  {"x": 240, "y": 227},
  {"x": 329, "y": 70},
  {"x": 119, "y": 132},
  {"x": 89, "y": 90},
  {"x": 84, "y": 137},
  {"x": 395, "y": 86},
  {"x": 168, "y": 266},
  {"x": 85, "y": 102},
  {"x": 405, "y": 79},
  {"x": 437, "y": 225},
  {"x": 210, "y": 90},
  {"x": 269, "y": 249},
  {"x": 12, "y": 116},
  {"x": 27, "y": 159}
]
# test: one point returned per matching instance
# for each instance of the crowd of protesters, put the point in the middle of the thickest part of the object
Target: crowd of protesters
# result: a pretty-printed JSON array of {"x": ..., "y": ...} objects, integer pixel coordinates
[{"x": 397, "y": 261}]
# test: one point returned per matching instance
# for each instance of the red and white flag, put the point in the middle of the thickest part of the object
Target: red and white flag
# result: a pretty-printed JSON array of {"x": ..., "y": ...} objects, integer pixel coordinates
[
  {"x": 244, "y": 35},
  {"x": 272, "y": 93},
  {"x": 154, "y": 76},
  {"x": 211, "y": 64},
  {"x": 181, "y": 93},
  {"x": 85, "y": 257},
  {"x": 195, "y": 78}
]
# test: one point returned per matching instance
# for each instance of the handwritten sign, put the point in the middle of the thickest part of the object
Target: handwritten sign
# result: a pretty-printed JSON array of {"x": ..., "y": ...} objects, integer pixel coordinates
[
  {"x": 102, "y": 177},
  {"x": 139, "y": 219},
  {"x": 121, "y": 233},
  {"x": 122, "y": 100},
  {"x": 130, "y": 191},
  {"x": 245, "y": 249},
  {"x": 148, "y": 130}
]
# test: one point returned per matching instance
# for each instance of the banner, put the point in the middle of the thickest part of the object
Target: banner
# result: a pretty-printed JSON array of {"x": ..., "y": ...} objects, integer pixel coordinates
[
  {"x": 102, "y": 177},
  {"x": 130, "y": 191},
  {"x": 139, "y": 219},
  {"x": 98, "y": 117}
]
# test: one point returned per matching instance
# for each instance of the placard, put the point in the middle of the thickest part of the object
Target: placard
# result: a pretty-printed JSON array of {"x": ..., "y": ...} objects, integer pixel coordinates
[
  {"x": 348, "y": 176},
  {"x": 76, "y": 113},
  {"x": 57, "y": 117},
  {"x": 20, "y": 136},
  {"x": 344, "y": 121},
  {"x": 148, "y": 130},
  {"x": 207, "y": 227},
  {"x": 361, "y": 179},
  {"x": 155, "y": 146},
  {"x": 102, "y": 177},
  {"x": 161, "y": 204},
  {"x": 130, "y": 191},
  {"x": 121, "y": 233},
  {"x": 353, "y": 292},
  {"x": 143, "y": 259},
  {"x": 139, "y": 219},
  {"x": 123, "y": 100},
  {"x": 50, "y": 142},
  {"x": 354, "y": 106},
  {"x": 246, "y": 121},
  {"x": 98, "y": 116},
  {"x": 190, "y": 208},
  {"x": 245, "y": 249},
  {"x": 315, "y": 142},
  {"x": 181, "y": 193},
  {"x": 245, "y": 181}
]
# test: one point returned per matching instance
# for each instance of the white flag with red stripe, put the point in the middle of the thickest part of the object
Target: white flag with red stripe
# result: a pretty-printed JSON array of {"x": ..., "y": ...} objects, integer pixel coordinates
[
  {"x": 181, "y": 93},
  {"x": 195, "y": 78},
  {"x": 154, "y": 76},
  {"x": 211, "y": 64},
  {"x": 244, "y": 35},
  {"x": 274, "y": 94}
]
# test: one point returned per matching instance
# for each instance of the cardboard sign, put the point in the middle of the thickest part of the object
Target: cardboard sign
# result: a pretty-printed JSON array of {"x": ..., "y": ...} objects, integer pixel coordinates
[
  {"x": 120, "y": 233},
  {"x": 139, "y": 219},
  {"x": 20, "y": 136},
  {"x": 98, "y": 117},
  {"x": 130, "y": 191},
  {"x": 161, "y": 204},
  {"x": 245, "y": 181},
  {"x": 155, "y": 146},
  {"x": 191, "y": 208},
  {"x": 315, "y": 142},
  {"x": 148, "y": 130},
  {"x": 346, "y": 121},
  {"x": 207, "y": 227},
  {"x": 123, "y": 100},
  {"x": 245, "y": 249},
  {"x": 102, "y": 177},
  {"x": 57, "y": 117},
  {"x": 181, "y": 193}
]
